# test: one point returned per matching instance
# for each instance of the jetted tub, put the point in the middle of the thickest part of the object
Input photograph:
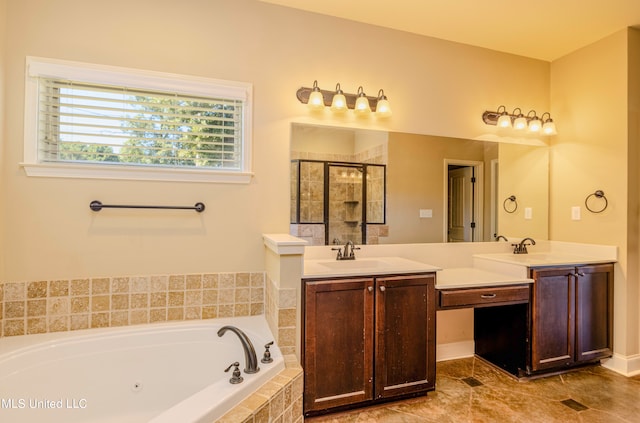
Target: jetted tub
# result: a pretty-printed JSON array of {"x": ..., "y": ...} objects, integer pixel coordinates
[{"x": 161, "y": 373}]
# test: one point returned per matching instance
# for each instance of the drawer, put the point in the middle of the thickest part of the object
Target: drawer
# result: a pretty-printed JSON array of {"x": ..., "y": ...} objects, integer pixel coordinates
[{"x": 483, "y": 297}]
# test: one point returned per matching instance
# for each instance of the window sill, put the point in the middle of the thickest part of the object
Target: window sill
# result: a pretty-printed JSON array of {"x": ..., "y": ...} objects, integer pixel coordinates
[{"x": 58, "y": 170}]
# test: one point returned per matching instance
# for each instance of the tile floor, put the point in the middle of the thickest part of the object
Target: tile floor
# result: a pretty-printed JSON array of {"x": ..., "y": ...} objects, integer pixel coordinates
[{"x": 469, "y": 390}]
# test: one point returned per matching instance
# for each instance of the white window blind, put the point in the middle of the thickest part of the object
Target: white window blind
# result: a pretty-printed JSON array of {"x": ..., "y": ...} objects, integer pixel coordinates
[
  {"x": 96, "y": 121},
  {"x": 102, "y": 124}
]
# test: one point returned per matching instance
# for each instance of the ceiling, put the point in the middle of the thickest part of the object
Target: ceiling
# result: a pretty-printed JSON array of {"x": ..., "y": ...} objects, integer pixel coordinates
[{"x": 544, "y": 29}]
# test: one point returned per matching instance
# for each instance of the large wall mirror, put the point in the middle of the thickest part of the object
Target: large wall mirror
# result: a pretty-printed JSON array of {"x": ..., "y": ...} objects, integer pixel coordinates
[{"x": 376, "y": 187}]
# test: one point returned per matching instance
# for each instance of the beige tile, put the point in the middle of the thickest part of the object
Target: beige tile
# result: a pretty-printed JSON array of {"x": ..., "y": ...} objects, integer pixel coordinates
[
  {"x": 158, "y": 299},
  {"x": 80, "y": 305},
  {"x": 36, "y": 325},
  {"x": 140, "y": 284},
  {"x": 287, "y": 337},
  {"x": 235, "y": 415},
  {"x": 58, "y": 305},
  {"x": 225, "y": 310},
  {"x": 194, "y": 282},
  {"x": 14, "y": 309},
  {"x": 210, "y": 281},
  {"x": 262, "y": 415},
  {"x": 242, "y": 295},
  {"x": 14, "y": 291},
  {"x": 243, "y": 280},
  {"x": 192, "y": 313},
  {"x": 119, "y": 318},
  {"x": 226, "y": 296},
  {"x": 99, "y": 320},
  {"x": 193, "y": 298},
  {"x": 138, "y": 317},
  {"x": 175, "y": 313},
  {"x": 100, "y": 303},
  {"x": 159, "y": 283},
  {"x": 37, "y": 289},
  {"x": 257, "y": 280},
  {"x": 277, "y": 404},
  {"x": 100, "y": 286},
  {"x": 13, "y": 327},
  {"x": 58, "y": 323},
  {"x": 79, "y": 321},
  {"x": 257, "y": 309},
  {"x": 287, "y": 298},
  {"x": 120, "y": 285},
  {"x": 139, "y": 301},
  {"x": 210, "y": 297},
  {"x": 257, "y": 295},
  {"x": 58, "y": 288},
  {"x": 176, "y": 299},
  {"x": 119, "y": 301},
  {"x": 177, "y": 283},
  {"x": 80, "y": 287},
  {"x": 227, "y": 280},
  {"x": 287, "y": 317},
  {"x": 209, "y": 312},
  {"x": 157, "y": 315},
  {"x": 241, "y": 310}
]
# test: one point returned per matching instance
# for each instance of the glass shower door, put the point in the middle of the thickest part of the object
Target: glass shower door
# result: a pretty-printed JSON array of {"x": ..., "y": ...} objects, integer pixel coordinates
[{"x": 345, "y": 204}]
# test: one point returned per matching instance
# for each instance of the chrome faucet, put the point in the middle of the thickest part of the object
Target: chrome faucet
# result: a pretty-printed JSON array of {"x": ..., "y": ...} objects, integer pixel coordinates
[
  {"x": 521, "y": 248},
  {"x": 250, "y": 359},
  {"x": 347, "y": 253}
]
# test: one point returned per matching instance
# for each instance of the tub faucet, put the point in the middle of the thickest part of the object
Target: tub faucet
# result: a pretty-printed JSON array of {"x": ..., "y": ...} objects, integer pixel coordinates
[
  {"x": 250, "y": 359},
  {"x": 499, "y": 237},
  {"x": 521, "y": 248}
]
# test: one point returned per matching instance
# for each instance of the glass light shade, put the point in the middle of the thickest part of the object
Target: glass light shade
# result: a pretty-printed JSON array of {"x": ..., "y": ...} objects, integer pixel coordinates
[
  {"x": 520, "y": 122},
  {"x": 339, "y": 103},
  {"x": 549, "y": 128},
  {"x": 504, "y": 121},
  {"x": 362, "y": 106},
  {"x": 535, "y": 124},
  {"x": 316, "y": 101},
  {"x": 383, "y": 109}
]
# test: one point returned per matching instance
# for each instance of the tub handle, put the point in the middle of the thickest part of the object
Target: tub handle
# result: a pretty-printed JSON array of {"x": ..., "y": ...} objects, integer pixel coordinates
[
  {"x": 237, "y": 376},
  {"x": 266, "y": 357}
]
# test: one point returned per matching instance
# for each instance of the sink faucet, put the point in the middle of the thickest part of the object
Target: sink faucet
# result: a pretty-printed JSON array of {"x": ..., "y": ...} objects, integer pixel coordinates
[
  {"x": 521, "y": 248},
  {"x": 499, "y": 237},
  {"x": 250, "y": 359},
  {"x": 347, "y": 253}
]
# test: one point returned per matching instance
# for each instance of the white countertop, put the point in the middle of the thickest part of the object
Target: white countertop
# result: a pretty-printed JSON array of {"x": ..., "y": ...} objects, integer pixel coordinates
[
  {"x": 470, "y": 277},
  {"x": 364, "y": 267},
  {"x": 544, "y": 259}
]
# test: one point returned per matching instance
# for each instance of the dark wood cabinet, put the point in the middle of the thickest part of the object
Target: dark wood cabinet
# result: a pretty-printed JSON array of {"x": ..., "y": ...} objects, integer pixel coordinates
[
  {"x": 572, "y": 316},
  {"x": 367, "y": 339}
]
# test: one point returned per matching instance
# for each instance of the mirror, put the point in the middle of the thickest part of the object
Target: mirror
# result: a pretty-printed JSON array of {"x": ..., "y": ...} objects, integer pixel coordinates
[{"x": 435, "y": 189}]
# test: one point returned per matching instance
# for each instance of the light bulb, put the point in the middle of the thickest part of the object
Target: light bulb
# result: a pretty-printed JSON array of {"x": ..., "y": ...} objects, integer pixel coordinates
[
  {"x": 520, "y": 122},
  {"x": 535, "y": 124},
  {"x": 339, "y": 102},
  {"x": 383, "y": 109},
  {"x": 504, "y": 121},
  {"x": 316, "y": 100},
  {"x": 362, "y": 103},
  {"x": 549, "y": 128}
]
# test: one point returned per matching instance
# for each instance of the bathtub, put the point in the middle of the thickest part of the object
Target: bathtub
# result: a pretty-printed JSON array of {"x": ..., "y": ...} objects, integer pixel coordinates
[{"x": 160, "y": 373}]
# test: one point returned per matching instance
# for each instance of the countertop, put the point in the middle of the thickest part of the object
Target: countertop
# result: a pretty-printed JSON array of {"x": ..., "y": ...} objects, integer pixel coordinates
[
  {"x": 544, "y": 259},
  {"x": 364, "y": 267},
  {"x": 470, "y": 277}
]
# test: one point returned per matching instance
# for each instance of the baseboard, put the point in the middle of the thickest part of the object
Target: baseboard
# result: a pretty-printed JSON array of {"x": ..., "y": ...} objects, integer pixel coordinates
[
  {"x": 625, "y": 365},
  {"x": 454, "y": 350}
]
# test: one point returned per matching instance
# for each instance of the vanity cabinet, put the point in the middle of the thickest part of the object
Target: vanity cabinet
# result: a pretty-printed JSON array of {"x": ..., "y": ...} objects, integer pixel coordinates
[
  {"x": 367, "y": 339},
  {"x": 572, "y": 316}
]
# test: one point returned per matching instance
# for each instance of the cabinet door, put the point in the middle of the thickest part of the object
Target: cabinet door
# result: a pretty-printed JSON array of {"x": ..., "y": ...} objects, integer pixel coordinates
[
  {"x": 338, "y": 337},
  {"x": 405, "y": 335},
  {"x": 553, "y": 318},
  {"x": 594, "y": 312}
]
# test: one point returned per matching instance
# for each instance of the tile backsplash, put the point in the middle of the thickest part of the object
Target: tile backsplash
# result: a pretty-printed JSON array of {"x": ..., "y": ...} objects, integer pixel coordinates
[{"x": 72, "y": 304}]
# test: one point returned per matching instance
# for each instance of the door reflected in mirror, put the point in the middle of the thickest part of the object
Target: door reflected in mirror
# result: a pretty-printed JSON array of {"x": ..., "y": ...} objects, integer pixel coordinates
[{"x": 415, "y": 198}]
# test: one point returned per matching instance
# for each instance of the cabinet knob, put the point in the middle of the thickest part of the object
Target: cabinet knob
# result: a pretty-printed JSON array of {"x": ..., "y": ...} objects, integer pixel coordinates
[
  {"x": 382, "y": 288},
  {"x": 370, "y": 288},
  {"x": 578, "y": 274}
]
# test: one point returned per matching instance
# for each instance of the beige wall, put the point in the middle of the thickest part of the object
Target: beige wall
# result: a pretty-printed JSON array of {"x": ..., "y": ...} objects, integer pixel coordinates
[
  {"x": 435, "y": 87},
  {"x": 3, "y": 198},
  {"x": 591, "y": 91}
]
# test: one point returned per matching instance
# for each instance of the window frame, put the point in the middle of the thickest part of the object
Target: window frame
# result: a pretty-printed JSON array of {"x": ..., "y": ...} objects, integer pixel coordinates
[{"x": 37, "y": 67}]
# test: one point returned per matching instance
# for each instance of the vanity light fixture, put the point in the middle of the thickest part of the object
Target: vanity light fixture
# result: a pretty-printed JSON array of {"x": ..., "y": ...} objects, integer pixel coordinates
[
  {"x": 339, "y": 101},
  {"x": 517, "y": 120}
]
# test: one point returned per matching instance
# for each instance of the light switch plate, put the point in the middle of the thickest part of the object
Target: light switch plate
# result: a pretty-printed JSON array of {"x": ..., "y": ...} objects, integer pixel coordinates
[
  {"x": 426, "y": 213},
  {"x": 528, "y": 213},
  {"x": 575, "y": 213}
]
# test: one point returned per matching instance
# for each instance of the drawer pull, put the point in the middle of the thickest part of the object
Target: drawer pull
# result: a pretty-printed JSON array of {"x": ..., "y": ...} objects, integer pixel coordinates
[
  {"x": 487, "y": 296},
  {"x": 370, "y": 288}
]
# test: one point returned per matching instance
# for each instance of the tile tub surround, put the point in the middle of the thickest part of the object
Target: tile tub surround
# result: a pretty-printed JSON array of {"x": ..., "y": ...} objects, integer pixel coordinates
[
  {"x": 62, "y": 305},
  {"x": 280, "y": 312},
  {"x": 279, "y": 400}
]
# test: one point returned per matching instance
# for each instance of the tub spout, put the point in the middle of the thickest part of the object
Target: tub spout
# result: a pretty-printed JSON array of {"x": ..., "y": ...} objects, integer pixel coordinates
[{"x": 251, "y": 361}]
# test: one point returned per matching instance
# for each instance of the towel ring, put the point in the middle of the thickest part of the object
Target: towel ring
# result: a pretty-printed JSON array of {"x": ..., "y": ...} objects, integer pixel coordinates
[
  {"x": 511, "y": 198},
  {"x": 597, "y": 194}
]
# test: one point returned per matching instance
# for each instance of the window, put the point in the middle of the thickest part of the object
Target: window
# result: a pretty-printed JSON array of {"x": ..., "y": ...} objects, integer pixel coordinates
[{"x": 104, "y": 122}]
